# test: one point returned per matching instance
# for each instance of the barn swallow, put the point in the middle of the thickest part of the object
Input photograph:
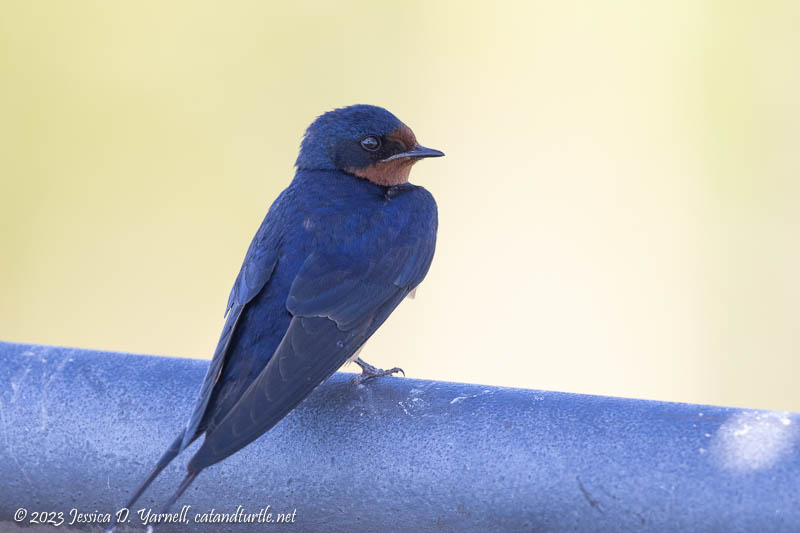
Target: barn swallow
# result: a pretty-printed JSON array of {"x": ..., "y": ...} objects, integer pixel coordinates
[{"x": 339, "y": 249}]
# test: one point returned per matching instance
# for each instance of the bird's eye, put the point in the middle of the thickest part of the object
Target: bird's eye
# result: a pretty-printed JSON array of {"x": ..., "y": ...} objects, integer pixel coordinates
[{"x": 370, "y": 143}]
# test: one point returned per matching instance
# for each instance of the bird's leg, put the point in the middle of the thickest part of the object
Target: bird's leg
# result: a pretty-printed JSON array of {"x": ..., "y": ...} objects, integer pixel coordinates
[{"x": 369, "y": 372}]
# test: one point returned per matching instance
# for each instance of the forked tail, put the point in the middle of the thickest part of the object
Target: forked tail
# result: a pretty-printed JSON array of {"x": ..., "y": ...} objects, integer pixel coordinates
[
  {"x": 166, "y": 458},
  {"x": 184, "y": 485}
]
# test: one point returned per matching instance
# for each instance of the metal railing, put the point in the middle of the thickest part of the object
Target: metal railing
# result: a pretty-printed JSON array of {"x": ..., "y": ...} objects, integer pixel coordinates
[{"x": 79, "y": 430}]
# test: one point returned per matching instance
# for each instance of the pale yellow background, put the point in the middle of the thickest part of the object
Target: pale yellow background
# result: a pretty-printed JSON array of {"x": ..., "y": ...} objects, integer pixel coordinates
[{"x": 619, "y": 204}]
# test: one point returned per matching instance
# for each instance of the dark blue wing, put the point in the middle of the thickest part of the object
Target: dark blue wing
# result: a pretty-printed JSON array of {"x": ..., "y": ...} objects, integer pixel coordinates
[
  {"x": 338, "y": 300},
  {"x": 259, "y": 263}
]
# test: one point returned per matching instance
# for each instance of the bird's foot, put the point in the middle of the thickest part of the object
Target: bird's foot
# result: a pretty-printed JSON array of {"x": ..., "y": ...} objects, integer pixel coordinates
[{"x": 369, "y": 372}]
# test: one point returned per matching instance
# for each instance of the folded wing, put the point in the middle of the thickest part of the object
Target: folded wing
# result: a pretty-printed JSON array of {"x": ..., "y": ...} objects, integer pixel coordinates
[
  {"x": 338, "y": 299},
  {"x": 256, "y": 271}
]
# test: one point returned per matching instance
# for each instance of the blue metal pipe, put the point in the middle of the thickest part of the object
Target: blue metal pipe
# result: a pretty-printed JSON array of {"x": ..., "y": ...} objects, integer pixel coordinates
[{"x": 80, "y": 429}]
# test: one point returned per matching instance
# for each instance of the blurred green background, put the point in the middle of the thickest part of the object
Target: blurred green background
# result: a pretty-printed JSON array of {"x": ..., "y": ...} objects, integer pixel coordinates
[{"x": 619, "y": 204}]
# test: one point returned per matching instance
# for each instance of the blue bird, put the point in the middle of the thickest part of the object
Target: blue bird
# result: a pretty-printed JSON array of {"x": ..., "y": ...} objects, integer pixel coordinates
[{"x": 339, "y": 249}]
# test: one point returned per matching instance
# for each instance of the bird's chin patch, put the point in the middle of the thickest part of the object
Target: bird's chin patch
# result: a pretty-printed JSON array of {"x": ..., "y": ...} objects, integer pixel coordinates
[{"x": 386, "y": 174}]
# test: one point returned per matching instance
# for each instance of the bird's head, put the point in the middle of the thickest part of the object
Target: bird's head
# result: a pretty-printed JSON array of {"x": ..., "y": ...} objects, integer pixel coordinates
[{"x": 364, "y": 140}]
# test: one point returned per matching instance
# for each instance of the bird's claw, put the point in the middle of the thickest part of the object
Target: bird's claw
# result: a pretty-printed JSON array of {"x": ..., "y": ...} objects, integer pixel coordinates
[{"x": 369, "y": 372}]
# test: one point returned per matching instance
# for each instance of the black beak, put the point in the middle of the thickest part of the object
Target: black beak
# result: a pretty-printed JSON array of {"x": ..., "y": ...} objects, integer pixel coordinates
[{"x": 418, "y": 152}]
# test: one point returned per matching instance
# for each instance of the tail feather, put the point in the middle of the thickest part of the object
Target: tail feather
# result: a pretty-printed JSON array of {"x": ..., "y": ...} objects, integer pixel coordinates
[
  {"x": 184, "y": 485},
  {"x": 162, "y": 463}
]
